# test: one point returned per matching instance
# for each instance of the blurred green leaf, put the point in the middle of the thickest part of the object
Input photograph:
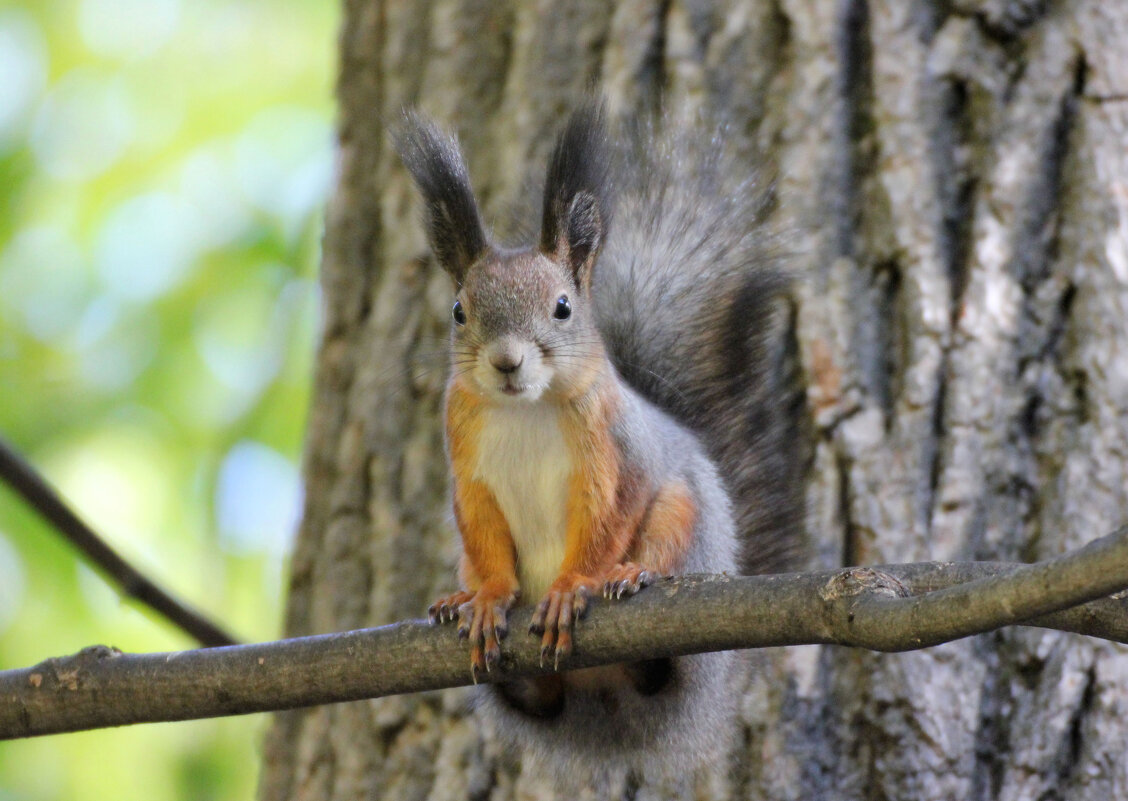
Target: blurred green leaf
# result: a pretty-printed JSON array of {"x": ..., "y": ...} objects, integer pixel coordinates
[{"x": 163, "y": 165}]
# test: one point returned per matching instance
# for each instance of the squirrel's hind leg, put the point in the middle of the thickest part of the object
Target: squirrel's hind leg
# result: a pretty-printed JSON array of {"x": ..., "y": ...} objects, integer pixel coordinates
[
  {"x": 445, "y": 610},
  {"x": 627, "y": 578},
  {"x": 660, "y": 545},
  {"x": 659, "y": 550}
]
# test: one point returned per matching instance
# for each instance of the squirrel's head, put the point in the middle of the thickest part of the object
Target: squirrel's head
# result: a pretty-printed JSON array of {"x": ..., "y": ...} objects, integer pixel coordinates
[{"x": 522, "y": 320}]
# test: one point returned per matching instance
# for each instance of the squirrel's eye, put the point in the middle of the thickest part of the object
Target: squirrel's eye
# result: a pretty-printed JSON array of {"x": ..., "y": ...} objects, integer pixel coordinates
[
  {"x": 458, "y": 313},
  {"x": 563, "y": 308}
]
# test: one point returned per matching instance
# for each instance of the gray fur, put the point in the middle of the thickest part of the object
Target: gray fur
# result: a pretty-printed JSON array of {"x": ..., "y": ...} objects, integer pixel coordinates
[{"x": 689, "y": 296}]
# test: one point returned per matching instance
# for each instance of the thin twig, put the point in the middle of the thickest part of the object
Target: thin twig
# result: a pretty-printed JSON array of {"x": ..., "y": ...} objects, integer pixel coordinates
[
  {"x": 866, "y": 607},
  {"x": 18, "y": 473}
]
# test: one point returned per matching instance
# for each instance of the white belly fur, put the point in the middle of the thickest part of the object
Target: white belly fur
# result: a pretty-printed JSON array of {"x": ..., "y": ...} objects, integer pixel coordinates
[{"x": 523, "y": 458}]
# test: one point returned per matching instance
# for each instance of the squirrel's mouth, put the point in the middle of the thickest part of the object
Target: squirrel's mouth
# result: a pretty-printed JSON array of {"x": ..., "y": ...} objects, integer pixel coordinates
[
  {"x": 518, "y": 389},
  {"x": 515, "y": 388}
]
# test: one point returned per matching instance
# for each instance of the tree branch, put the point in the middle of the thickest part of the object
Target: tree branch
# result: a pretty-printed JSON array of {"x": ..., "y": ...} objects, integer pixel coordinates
[
  {"x": 18, "y": 473},
  {"x": 890, "y": 608}
]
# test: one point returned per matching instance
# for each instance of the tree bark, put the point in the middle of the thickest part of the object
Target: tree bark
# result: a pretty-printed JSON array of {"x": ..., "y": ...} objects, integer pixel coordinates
[{"x": 952, "y": 175}]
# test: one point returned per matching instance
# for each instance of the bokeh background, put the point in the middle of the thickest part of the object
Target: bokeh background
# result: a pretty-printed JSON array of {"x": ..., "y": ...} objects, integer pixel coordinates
[{"x": 163, "y": 167}]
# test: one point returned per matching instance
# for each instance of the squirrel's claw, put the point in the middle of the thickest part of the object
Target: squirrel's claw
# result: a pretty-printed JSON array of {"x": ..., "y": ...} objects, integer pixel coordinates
[
  {"x": 483, "y": 621},
  {"x": 445, "y": 610},
  {"x": 627, "y": 579},
  {"x": 554, "y": 617}
]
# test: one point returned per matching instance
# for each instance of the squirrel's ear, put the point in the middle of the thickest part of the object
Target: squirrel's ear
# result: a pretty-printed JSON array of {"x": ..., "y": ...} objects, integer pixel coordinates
[
  {"x": 575, "y": 193},
  {"x": 434, "y": 160},
  {"x": 583, "y": 237}
]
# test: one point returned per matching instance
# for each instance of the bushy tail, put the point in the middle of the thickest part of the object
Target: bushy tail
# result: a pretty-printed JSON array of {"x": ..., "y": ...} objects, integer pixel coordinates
[{"x": 691, "y": 298}]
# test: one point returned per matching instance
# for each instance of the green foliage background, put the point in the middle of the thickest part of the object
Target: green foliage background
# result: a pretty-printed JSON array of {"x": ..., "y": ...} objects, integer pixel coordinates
[{"x": 163, "y": 165}]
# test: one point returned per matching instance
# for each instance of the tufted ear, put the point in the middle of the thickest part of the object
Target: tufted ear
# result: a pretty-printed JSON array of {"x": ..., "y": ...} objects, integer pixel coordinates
[
  {"x": 454, "y": 228},
  {"x": 577, "y": 186}
]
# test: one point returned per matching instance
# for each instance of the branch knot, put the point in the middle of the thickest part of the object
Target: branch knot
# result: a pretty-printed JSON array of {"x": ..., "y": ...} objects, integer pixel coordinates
[{"x": 855, "y": 581}]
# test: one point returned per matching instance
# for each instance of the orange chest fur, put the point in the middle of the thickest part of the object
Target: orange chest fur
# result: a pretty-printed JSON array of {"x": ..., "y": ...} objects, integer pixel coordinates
[{"x": 552, "y": 478}]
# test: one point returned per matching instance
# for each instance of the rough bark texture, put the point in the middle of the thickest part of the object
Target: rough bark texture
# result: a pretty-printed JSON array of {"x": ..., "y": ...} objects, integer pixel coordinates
[{"x": 956, "y": 181}]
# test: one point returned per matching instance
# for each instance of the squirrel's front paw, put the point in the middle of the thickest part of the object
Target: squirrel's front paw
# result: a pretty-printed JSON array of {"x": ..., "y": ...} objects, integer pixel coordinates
[
  {"x": 566, "y": 601},
  {"x": 482, "y": 620},
  {"x": 627, "y": 578}
]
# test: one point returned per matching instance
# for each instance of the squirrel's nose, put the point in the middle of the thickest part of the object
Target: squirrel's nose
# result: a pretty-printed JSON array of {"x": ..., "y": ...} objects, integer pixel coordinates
[{"x": 506, "y": 363}]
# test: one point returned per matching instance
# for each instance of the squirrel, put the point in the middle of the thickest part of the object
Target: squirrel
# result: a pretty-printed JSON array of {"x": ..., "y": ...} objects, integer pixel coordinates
[{"x": 615, "y": 413}]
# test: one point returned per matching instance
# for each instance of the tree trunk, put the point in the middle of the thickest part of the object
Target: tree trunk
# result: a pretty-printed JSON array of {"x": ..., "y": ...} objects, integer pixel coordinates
[{"x": 955, "y": 180}]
